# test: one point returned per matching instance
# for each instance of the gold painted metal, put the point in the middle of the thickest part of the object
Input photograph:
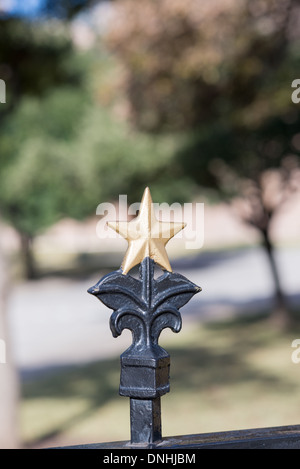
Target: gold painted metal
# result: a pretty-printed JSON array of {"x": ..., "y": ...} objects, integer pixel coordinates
[{"x": 146, "y": 236}]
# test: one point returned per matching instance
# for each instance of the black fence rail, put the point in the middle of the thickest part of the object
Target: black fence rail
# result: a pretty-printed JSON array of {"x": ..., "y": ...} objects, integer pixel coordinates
[{"x": 287, "y": 437}]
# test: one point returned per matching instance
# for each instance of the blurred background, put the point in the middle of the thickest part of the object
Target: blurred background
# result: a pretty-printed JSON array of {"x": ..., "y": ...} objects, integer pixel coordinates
[{"x": 194, "y": 100}]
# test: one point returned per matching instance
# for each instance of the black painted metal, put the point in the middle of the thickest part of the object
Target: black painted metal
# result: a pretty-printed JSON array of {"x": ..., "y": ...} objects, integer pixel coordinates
[
  {"x": 145, "y": 306},
  {"x": 145, "y": 420},
  {"x": 287, "y": 437}
]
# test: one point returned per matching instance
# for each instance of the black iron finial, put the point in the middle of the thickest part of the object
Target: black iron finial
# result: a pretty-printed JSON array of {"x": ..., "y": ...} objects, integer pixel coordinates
[{"x": 145, "y": 306}]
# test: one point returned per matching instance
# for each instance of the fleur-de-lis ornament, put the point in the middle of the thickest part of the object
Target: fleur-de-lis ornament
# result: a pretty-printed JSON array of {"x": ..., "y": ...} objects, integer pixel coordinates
[{"x": 145, "y": 306}]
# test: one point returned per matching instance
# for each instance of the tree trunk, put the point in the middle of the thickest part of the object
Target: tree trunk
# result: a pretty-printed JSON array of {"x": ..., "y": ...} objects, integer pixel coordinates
[
  {"x": 27, "y": 256},
  {"x": 280, "y": 313},
  {"x": 9, "y": 384}
]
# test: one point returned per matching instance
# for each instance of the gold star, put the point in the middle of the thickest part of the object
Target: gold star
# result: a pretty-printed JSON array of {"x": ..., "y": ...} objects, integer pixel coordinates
[{"x": 146, "y": 236}]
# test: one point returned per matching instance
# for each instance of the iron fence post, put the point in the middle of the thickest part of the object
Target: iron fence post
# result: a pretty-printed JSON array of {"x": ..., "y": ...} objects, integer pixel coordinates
[{"x": 145, "y": 306}]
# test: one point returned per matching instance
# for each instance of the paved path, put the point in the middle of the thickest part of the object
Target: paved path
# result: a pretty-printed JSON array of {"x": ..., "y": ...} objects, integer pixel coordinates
[{"x": 56, "y": 322}]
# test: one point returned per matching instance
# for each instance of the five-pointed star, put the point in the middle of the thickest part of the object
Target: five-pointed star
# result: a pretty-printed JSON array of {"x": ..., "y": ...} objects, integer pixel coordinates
[{"x": 146, "y": 236}]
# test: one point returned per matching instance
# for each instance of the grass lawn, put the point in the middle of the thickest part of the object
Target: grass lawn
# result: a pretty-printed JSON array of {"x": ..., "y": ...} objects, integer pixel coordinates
[{"x": 224, "y": 376}]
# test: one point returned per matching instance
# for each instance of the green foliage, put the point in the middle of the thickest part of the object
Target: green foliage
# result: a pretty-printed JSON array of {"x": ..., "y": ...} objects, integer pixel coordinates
[
  {"x": 113, "y": 159},
  {"x": 62, "y": 151},
  {"x": 36, "y": 170},
  {"x": 45, "y": 96},
  {"x": 217, "y": 91},
  {"x": 62, "y": 155},
  {"x": 34, "y": 57}
]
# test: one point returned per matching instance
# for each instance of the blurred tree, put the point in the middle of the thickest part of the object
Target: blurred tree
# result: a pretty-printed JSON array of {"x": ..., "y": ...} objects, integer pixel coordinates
[
  {"x": 188, "y": 64},
  {"x": 34, "y": 57},
  {"x": 39, "y": 180},
  {"x": 38, "y": 176},
  {"x": 59, "y": 158},
  {"x": 220, "y": 73},
  {"x": 24, "y": 53},
  {"x": 44, "y": 101},
  {"x": 113, "y": 159},
  {"x": 257, "y": 172}
]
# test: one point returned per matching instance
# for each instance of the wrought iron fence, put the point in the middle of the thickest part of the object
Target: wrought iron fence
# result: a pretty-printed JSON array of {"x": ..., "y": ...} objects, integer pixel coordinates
[{"x": 146, "y": 305}]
